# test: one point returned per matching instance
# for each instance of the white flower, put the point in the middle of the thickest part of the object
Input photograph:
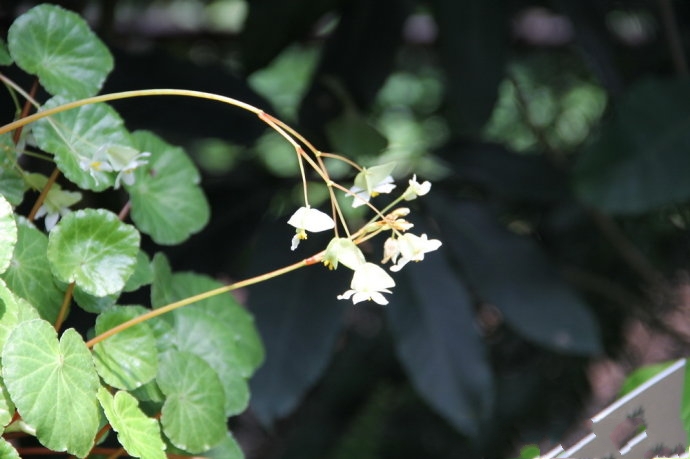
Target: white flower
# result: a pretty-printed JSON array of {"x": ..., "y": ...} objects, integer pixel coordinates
[
  {"x": 126, "y": 174},
  {"x": 56, "y": 204},
  {"x": 372, "y": 181},
  {"x": 115, "y": 158},
  {"x": 362, "y": 196},
  {"x": 391, "y": 250},
  {"x": 416, "y": 189},
  {"x": 308, "y": 219},
  {"x": 368, "y": 283},
  {"x": 98, "y": 163},
  {"x": 409, "y": 247},
  {"x": 343, "y": 250}
]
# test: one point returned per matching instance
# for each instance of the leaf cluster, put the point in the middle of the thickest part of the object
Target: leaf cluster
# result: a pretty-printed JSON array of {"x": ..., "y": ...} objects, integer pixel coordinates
[{"x": 163, "y": 384}]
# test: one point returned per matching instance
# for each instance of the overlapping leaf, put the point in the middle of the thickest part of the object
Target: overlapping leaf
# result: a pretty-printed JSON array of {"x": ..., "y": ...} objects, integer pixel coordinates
[
  {"x": 136, "y": 432},
  {"x": 53, "y": 385},
  {"x": 640, "y": 161},
  {"x": 6, "y": 407},
  {"x": 8, "y": 233},
  {"x": 59, "y": 47},
  {"x": 227, "y": 449},
  {"x": 93, "y": 249},
  {"x": 29, "y": 274},
  {"x": 5, "y": 58},
  {"x": 129, "y": 358},
  {"x": 193, "y": 418},
  {"x": 512, "y": 273},
  {"x": 218, "y": 330},
  {"x": 433, "y": 321},
  {"x": 11, "y": 183},
  {"x": 13, "y": 311},
  {"x": 167, "y": 202},
  {"x": 7, "y": 451},
  {"x": 75, "y": 137},
  {"x": 297, "y": 350},
  {"x": 143, "y": 273}
]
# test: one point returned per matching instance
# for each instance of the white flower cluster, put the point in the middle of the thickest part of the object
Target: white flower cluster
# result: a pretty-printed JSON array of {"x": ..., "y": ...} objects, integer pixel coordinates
[
  {"x": 369, "y": 281},
  {"x": 115, "y": 158}
]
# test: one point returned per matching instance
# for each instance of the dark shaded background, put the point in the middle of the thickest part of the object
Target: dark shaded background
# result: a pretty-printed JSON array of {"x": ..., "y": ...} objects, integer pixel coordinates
[{"x": 556, "y": 134}]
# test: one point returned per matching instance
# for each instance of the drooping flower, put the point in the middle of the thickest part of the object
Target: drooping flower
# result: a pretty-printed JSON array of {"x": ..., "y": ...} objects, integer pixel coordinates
[
  {"x": 370, "y": 182},
  {"x": 115, "y": 158},
  {"x": 408, "y": 247},
  {"x": 416, "y": 189},
  {"x": 369, "y": 282},
  {"x": 57, "y": 204},
  {"x": 307, "y": 219},
  {"x": 98, "y": 163},
  {"x": 126, "y": 174},
  {"x": 345, "y": 251}
]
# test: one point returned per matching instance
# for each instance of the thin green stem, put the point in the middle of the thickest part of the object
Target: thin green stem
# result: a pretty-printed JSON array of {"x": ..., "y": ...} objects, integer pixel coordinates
[
  {"x": 25, "y": 110},
  {"x": 128, "y": 95},
  {"x": 66, "y": 301},
  {"x": 341, "y": 158},
  {"x": 201, "y": 296}
]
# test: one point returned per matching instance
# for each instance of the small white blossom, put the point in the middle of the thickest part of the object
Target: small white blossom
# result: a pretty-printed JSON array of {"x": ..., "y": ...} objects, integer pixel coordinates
[
  {"x": 56, "y": 204},
  {"x": 308, "y": 219},
  {"x": 409, "y": 247},
  {"x": 371, "y": 181},
  {"x": 362, "y": 196},
  {"x": 126, "y": 174},
  {"x": 416, "y": 189},
  {"x": 369, "y": 282},
  {"x": 115, "y": 158},
  {"x": 98, "y": 163},
  {"x": 345, "y": 251}
]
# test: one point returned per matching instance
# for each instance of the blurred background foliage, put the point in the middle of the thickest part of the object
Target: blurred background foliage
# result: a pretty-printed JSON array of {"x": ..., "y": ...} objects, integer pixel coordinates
[{"x": 557, "y": 136}]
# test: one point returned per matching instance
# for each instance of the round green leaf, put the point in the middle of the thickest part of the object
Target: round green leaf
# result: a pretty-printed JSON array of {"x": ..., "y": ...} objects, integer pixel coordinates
[
  {"x": 136, "y": 432},
  {"x": 192, "y": 416},
  {"x": 29, "y": 275},
  {"x": 59, "y": 47},
  {"x": 93, "y": 249},
  {"x": 127, "y": 359},
  {"x": 77, "y": 136},
  {"x": 8, "y": 233},
  {"x": 167, "y": 202},
  {"x": 53, "y": 384},
  {"x": 7, "y": 451}
]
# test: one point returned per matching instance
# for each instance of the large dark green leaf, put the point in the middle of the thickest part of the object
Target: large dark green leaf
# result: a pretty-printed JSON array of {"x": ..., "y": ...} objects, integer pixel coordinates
[
  {"x": 513, "y": 273},
  {"x": 473, "y": 44},
  {"x": 355, "y": 62},
  {"x": 298, "y": 317},
  {"x": 641, "y": 160},
  {"x": 431, "y": 315},
  {"x": 506, "y": 174}
]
